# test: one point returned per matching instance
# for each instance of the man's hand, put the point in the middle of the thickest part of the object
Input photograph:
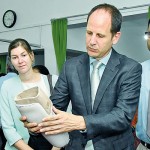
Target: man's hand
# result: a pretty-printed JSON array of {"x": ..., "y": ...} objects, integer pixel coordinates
[
  {"x": 62, "y": 122},
  {"x": 32, "y": 127}
]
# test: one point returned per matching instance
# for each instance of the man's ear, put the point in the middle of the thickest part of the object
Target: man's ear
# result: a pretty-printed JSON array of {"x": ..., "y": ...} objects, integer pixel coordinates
[{"x": 116, "y": 37}]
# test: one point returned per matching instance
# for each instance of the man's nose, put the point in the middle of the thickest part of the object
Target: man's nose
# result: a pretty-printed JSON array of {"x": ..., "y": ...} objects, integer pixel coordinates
[{"x": 93, "y": 40}]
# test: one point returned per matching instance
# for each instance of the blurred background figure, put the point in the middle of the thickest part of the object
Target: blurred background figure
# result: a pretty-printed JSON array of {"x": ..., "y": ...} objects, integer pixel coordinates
[
  {"x": 143, "y": 123},
  {"x": 10, "y": 73}
]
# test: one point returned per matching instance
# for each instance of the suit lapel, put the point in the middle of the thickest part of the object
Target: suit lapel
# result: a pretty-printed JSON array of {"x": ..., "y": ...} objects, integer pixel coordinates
[
  {"x": 109, "y": 73},
  {"x": 84, "y": 76}
]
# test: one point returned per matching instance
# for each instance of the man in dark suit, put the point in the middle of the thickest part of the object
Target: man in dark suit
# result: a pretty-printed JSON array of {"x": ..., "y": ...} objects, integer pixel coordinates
[{"x": 106, "y": 124}]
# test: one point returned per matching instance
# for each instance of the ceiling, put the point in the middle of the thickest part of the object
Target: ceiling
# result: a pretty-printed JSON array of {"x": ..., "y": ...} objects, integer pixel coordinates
[{"x": 138, "y": 19}]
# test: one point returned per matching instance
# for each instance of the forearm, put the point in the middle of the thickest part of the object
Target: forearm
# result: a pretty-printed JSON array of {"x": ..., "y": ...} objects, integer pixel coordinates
[
  {"x": 55, "y": 148},
  {"x": 102, "y": 124},
  {"x": 21, "y": 145}
]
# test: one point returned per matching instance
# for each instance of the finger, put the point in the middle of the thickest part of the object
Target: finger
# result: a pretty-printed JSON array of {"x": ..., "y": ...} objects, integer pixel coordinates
[
  {"x": 55, "y": 110},
  {"x": 51, "y": 130},
  {"x": 50, "y": 118},
  {"x": 51, "y": 123},
  {"x": 35, "y": 129},
  {"x": 23, "y": 118},
  {"x": 30, "y": 125}
]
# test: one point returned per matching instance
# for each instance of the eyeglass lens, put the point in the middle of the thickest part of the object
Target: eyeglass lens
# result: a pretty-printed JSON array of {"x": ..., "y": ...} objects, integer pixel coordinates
[{"x": 147, "y": 34}]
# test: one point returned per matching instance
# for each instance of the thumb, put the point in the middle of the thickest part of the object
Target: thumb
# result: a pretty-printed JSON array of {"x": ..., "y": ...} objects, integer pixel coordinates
[{"x": 55, "y": 110}]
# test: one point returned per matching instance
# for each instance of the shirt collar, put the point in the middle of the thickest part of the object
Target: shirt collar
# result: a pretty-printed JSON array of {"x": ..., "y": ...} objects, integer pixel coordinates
[{"x": 104, "y": 60}]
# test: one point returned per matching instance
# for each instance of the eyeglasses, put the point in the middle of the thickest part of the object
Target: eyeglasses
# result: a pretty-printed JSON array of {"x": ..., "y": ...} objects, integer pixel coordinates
[{"x": 147, "y": 35}]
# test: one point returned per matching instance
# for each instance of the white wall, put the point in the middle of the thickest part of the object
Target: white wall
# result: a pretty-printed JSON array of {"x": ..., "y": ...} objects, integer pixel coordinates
[
  {"x": 33, "y": 20},
  {"x": 132, "y": 42}
]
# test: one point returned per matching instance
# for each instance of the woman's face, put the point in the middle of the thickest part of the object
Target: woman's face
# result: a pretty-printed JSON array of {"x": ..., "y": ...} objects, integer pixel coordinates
[{"x": 21, "y": 59}]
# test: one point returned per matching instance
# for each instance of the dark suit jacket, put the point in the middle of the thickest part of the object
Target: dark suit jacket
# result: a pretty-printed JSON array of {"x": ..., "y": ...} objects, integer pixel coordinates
[{"x": 108, "y": 124}]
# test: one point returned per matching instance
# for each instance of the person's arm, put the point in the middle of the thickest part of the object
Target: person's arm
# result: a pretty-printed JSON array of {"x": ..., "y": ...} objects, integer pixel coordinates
[
  {"x": 21, "y": 145},
  {"x": 62, "y": 121},
  {"x": 55, "y": 148},
  {"x": 9, "y": 115}
]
